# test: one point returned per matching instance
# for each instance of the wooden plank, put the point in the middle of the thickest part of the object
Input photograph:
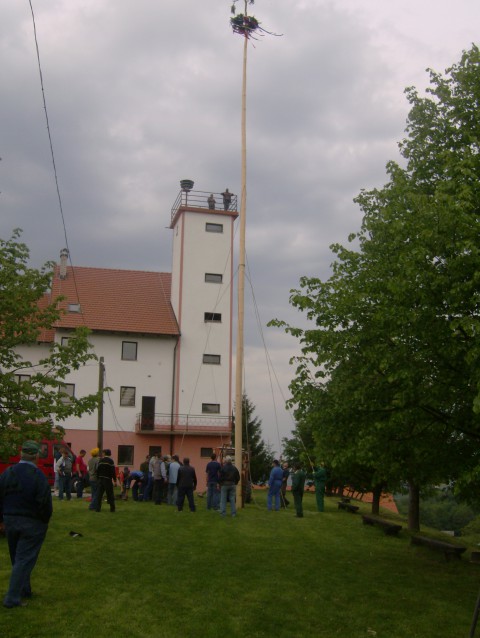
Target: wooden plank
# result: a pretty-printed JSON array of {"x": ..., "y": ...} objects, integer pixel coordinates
[
  {"x": 342, "y": 505},
  {"x": 448, "y": 549},
  {"x": 389, "y": 527}
]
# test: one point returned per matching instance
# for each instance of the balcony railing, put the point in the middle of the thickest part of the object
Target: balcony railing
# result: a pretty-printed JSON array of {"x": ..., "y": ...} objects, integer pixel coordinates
[
  {"x": 183, "y": 424},
  {"x": 201, "y": 199}
]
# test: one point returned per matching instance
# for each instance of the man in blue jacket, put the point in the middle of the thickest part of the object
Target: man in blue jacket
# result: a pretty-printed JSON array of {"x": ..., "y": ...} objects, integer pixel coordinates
[
  {"x": 275, "y": 485},
  {"x": 25, "y": 510}
]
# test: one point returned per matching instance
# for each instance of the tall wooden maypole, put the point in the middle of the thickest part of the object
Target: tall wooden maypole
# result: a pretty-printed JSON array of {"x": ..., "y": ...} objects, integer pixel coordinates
[
  {"x": 241, "y": 274},
  {"x": 246, "y": 26}
]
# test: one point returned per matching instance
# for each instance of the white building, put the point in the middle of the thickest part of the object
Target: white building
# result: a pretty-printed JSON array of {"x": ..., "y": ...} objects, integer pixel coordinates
[{"x": 165, "y": 340}]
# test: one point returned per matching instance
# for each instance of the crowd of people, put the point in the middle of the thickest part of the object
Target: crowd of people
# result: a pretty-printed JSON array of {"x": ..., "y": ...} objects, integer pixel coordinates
[
  {"x": 165, "y": 479},
  {"x": 26, "y": 499}
]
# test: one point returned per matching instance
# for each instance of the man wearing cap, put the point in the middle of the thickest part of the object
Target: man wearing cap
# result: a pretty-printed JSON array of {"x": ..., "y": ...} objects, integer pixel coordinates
[{"x": 25, "y": 510}]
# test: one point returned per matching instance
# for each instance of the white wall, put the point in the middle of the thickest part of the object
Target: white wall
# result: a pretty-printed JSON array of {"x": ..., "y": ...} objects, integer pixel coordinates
[
  {"x": 203, "y": 252},
  {"x": 151, "y": 375}
]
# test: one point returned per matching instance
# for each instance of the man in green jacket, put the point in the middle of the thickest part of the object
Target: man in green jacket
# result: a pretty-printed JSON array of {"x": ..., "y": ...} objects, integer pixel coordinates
[
  {"x": 319, "y": 479},
  {"x": 298, "y": 486}
]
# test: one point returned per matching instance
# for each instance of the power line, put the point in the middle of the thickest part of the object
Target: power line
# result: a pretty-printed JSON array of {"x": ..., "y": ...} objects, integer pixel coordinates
[{"x": 59, "y": 197}]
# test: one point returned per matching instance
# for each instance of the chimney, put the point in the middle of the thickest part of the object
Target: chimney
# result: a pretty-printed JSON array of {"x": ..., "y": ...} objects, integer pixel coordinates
[{"x": 63, "y": 263}]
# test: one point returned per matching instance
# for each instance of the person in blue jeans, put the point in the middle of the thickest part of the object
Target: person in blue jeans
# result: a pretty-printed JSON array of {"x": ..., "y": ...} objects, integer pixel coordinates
[
  {"x": 228, "y": 479},
  {"x": 275, "y": 485},
  {"x": 213, "y": 470},
  {"x": 64, "y": 467},
  {"x": 25, "y": 511}
]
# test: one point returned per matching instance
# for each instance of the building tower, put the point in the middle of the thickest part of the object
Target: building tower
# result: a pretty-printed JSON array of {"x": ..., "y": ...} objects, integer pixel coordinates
[{"x": 202, "y": 300}]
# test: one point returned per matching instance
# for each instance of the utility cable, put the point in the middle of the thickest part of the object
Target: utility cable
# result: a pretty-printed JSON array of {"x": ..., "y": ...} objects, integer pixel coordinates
[{"x": 59, "y": 197}]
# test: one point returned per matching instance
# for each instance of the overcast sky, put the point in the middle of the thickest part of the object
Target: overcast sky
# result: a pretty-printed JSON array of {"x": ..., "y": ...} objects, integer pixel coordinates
[{"x": 143, "y": 93}]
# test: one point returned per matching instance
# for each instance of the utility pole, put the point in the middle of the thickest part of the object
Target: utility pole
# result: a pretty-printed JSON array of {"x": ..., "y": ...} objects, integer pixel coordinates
[{"x": 101, "y": 382}]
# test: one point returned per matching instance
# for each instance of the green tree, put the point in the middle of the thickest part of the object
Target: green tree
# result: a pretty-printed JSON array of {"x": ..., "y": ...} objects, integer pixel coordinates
[
  {"x": 300, "y": 446},
  {"x": 261, "y": 455},
  {"x": 32, "y": 392},
  {"x": 393, "y": 360}
]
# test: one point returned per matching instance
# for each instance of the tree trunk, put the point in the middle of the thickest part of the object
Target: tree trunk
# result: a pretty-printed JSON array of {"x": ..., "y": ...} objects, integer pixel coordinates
[
  {"x": 413, "y": 507},
  {"x": 376, "y": 493}
]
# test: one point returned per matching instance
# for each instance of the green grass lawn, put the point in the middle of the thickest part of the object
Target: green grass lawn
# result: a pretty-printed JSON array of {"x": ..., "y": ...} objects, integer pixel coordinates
[{"x": 149, "y": 571}]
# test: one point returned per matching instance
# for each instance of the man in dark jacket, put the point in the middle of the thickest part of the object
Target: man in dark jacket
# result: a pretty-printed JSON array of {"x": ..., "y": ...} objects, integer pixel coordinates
[
  {"x": 229, "y": 478},
  {"x": 186, "y": 483},
  {"x": 106, "y": 479},
  {"x": 25, "y": 510},
  {"x": 298, "y": 486}
]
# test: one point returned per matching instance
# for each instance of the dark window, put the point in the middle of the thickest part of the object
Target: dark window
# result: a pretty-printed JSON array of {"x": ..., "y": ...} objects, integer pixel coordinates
[
  {"x": 206, "y": 452},
  {"x": 68, "y": 392},
  {"x": 213, "y": 278},
  {"x": 210, "y": 408},
  {"x": 127, "y": 396},
  {"x": 155, "y": 449},
  {"x": 211, "y": 358},
  {"x": 213, "y": 316},
  {"x": 213, "y": 228},
  {"x": 129, "y": 350},
  {"x": 125, "y": 455}
]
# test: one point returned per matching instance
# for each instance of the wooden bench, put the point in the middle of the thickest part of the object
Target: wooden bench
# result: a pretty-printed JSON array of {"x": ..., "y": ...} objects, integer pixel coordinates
[
  {"x": 448, "y": 549},
  {"x": 343, "y": 505},
  {"x": 390, "y": 528}
]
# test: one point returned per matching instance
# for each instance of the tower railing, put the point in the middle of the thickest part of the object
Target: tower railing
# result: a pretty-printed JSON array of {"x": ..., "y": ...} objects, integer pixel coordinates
[{"x": 202, "y": 199}]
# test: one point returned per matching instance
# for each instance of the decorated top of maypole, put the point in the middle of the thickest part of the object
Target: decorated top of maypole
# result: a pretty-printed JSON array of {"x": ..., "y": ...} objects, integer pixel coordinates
[{"x": 246, "y": 25}]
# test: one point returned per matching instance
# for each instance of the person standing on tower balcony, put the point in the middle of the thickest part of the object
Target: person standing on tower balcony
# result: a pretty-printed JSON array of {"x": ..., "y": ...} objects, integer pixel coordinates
[{"x": 227, "y": 199}]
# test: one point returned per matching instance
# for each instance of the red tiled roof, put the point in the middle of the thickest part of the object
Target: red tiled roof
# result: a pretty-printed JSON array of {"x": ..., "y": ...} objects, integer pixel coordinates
[{"x": 116, "y": 300}]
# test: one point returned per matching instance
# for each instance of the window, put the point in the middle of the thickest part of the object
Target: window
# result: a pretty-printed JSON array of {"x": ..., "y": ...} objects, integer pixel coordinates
[
  {"x": 214, "y": 228},
  {"x": 68, "y": 392},
  {"x": 211, "y": 358},
  {"x": 129, "y": 350},
  {"x": 210, "y": 408},
  {"x": 125, "y": 455},
  {"x": 21, "y": 378},
  {"x": 155, "y": 449},
  {"x": 127, "y": 396},
  {"x": 206, "y": 452},
  {"x": 213, "y": 278},
  {"x": 212, "y": 316},
  {"x": 64, "y": 341},
  {"x": 74, "y": 307}
]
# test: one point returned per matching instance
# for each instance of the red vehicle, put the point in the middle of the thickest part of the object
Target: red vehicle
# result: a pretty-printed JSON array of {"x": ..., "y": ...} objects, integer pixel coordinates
[{"x": 49, "y": 453}]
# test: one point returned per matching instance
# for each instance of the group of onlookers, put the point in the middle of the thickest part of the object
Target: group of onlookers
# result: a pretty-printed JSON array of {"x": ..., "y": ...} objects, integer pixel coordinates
[
  {"x": 164, "y": 479},
  {"x": 26, "y": 500},
  {"x": 277, "y": 486}
]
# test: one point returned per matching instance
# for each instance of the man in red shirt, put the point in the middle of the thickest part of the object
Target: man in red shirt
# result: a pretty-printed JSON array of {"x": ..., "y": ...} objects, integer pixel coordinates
[{"x": 80, "y": 468}]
